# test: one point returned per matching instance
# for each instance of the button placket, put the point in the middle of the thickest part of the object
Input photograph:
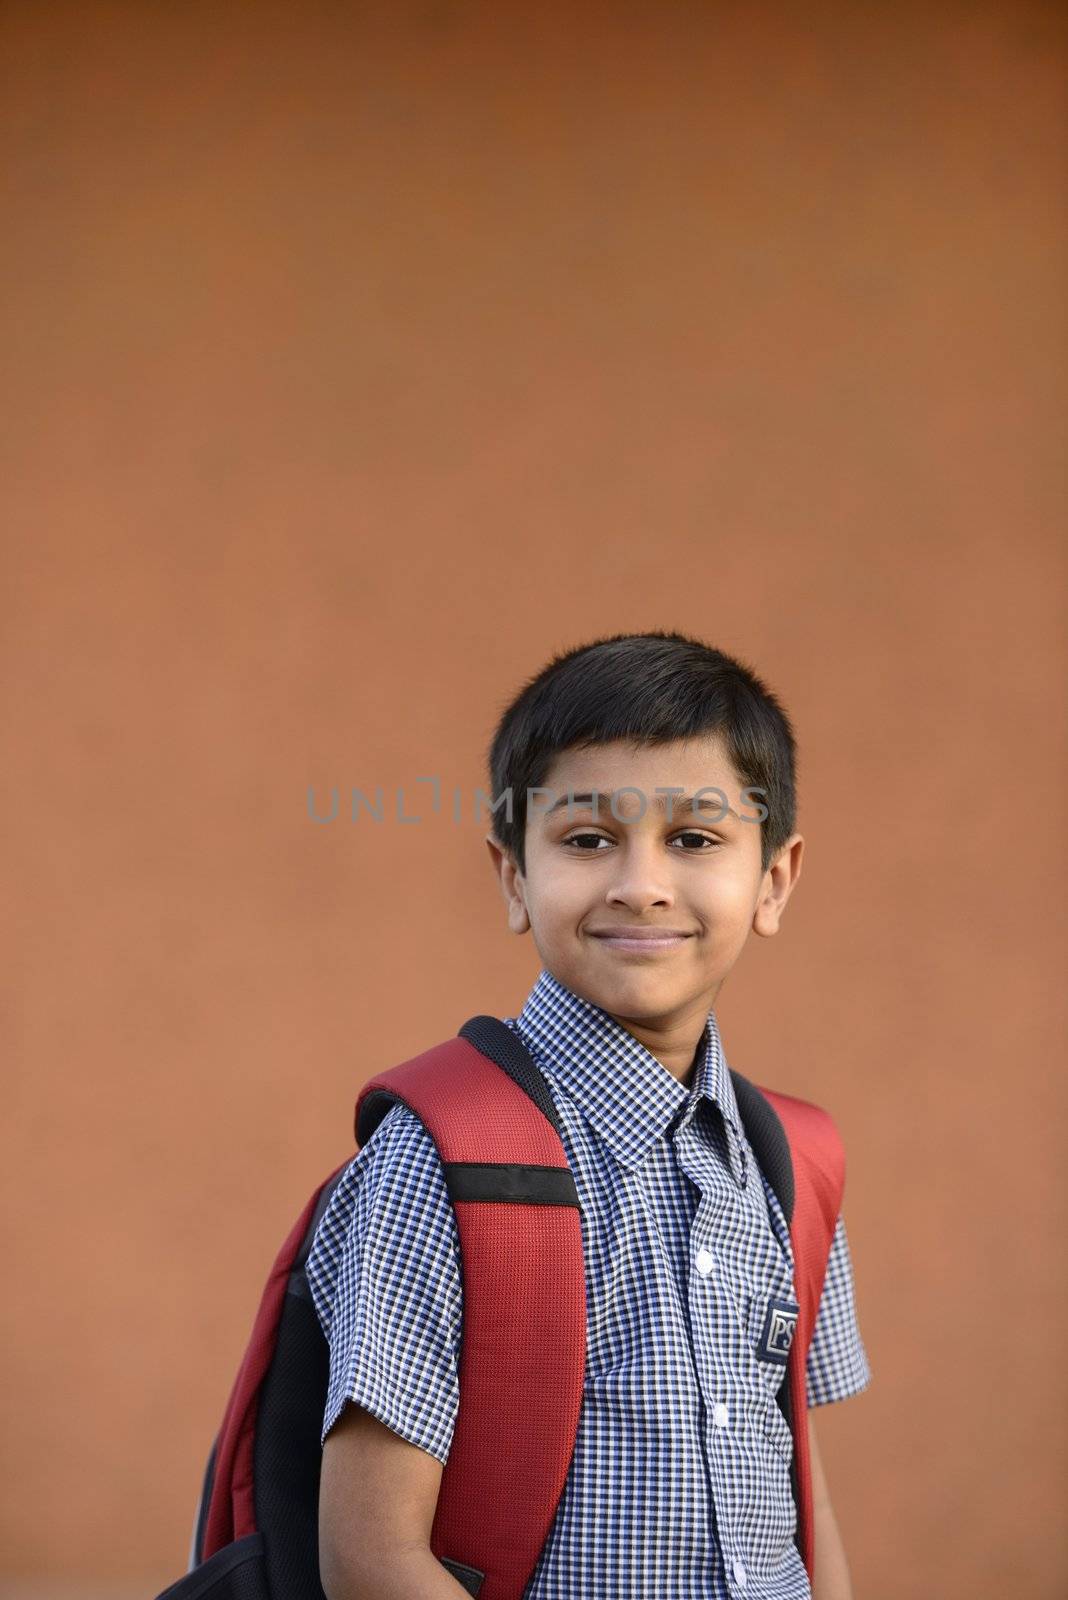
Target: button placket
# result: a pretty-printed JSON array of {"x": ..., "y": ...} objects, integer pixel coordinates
[{"x": 708, "y": 1277}]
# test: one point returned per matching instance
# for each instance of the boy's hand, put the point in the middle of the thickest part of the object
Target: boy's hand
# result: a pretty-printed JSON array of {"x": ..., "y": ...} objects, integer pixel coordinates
[{"x": 831, "y": 1579}]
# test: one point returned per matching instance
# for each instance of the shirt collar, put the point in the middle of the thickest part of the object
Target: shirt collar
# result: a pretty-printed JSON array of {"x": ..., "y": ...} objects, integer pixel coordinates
[{"x": 628, "y": 1096}]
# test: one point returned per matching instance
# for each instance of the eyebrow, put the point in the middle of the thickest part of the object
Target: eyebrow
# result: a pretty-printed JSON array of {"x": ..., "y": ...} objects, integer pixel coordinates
[{"x": 681, "y": 802}]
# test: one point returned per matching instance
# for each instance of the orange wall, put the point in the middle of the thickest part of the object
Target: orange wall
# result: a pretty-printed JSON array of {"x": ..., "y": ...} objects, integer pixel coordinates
[{"x": 361, "y": 358}]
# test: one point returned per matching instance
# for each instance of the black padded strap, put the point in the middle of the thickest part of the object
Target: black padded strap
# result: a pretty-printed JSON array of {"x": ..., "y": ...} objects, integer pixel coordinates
[
  {"x": 765, "y": 1132},
  {"x": 374, "y": 1109}
]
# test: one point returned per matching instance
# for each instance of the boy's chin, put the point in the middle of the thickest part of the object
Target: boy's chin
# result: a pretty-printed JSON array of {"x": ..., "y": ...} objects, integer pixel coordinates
[{"x": 635, "y": 993}]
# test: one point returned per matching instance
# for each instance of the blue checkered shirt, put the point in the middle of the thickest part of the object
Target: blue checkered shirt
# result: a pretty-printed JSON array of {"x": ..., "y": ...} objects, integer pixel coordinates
[{"x": 680, "y": 1480}]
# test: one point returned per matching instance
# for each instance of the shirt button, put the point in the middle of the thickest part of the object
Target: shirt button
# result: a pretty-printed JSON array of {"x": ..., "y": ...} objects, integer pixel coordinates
[
  {"x": 720, "y": 1415},
  {"x": 741, "y": 1577},
  {"x": 705, "y": 1262}
]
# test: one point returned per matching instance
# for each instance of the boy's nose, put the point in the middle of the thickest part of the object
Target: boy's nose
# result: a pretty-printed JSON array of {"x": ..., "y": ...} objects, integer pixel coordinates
[{"x": 641, "y": 878}]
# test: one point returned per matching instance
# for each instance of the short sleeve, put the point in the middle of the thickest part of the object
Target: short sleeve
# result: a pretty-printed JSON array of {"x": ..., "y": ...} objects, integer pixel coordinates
[
  {"x": 837, "y": 1361},
  {"x": 384, "y": 1274}
]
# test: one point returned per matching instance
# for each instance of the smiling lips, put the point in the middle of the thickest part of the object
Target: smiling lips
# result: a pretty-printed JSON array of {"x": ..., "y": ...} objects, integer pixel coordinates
[{"x": 642, "y": 940}]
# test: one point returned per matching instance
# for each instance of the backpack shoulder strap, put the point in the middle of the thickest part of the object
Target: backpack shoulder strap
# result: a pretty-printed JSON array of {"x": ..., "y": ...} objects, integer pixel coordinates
[
  {"x": 488, "y": 1109},
  {"x": 800, "y": 1152}
]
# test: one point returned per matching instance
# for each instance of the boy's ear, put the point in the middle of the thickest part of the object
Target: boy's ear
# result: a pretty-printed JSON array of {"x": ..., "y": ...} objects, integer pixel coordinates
[
  {"x": 511, "y": 881},
  {"x": 498, "y": 856},
  {"x": 777, "y": 887}
]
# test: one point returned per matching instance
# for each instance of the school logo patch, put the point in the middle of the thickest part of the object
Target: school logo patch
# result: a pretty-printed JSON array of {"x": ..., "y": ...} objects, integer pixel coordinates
[{"x": 777, "y": 1335}]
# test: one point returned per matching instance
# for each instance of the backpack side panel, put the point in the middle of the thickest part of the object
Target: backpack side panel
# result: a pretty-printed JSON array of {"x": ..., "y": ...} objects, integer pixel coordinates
[
  {"x": 231, "y": 1511},
  {"x": 287, "y": 1452}
]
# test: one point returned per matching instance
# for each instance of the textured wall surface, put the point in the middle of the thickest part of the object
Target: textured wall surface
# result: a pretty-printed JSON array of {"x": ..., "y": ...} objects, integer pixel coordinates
[{"x": 357, "y": 359}]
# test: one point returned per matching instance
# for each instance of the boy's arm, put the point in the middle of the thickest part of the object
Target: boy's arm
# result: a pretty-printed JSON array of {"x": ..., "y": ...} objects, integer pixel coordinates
[
  {"x": 385, "y": 1274},
  {"x": 377, "y": 1499},
  {"x": 837, "y": 1367},
  {"x": 831, "y": 1578}
]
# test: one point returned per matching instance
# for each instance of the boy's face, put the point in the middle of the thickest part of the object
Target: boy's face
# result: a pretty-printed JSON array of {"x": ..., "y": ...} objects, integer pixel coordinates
[{"x": 689, "y": 874}]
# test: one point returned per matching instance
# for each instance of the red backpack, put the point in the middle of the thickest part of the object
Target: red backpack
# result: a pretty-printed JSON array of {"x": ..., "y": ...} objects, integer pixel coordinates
[{"x": 488, "y": 1109}]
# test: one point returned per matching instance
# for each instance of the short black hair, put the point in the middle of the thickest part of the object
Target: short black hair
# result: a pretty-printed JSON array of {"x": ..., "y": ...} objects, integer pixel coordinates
[{"x": 647, "y": 688}]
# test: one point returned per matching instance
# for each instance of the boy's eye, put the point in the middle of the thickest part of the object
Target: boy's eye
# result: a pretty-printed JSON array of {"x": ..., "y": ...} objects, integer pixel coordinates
[{"x": 703, "y": 840}]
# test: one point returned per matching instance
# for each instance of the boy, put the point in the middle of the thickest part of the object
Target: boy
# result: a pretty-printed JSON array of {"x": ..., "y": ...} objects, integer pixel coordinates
[{"x": 639, "y": 893}]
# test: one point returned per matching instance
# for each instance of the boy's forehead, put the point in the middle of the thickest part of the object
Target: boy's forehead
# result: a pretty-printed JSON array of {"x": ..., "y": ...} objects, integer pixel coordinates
[{"x": 683, "y": 763}]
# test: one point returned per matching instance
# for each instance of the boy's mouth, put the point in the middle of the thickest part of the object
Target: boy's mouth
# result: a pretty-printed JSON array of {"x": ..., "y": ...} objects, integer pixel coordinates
[{"x": 641, "y": 940}]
